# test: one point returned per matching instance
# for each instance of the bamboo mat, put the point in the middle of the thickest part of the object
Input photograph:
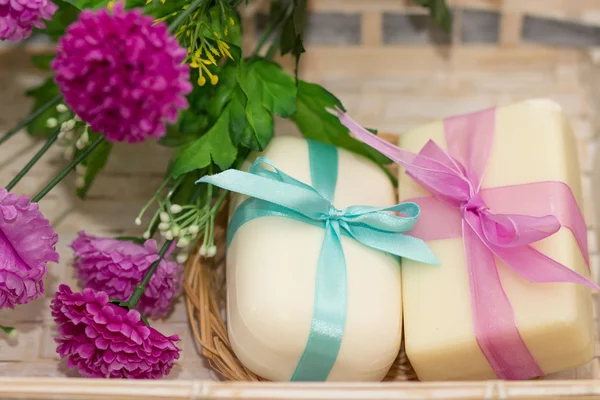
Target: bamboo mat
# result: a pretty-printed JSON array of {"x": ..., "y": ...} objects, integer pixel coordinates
[{"x": 413, "y": 86}]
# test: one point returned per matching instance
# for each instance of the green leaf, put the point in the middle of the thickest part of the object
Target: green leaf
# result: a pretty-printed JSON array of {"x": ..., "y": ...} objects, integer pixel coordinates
[
  {"x": 220, "y": 22},
  {"x": 192, "y": 123},
  {"x": 214, "y": 146},
  {"x": 316, "y": 123},
  {"x": 238, "y": 122},
  {"x": 91, "y": 4},
  {"x": 133, "y": 239},
  {"x": 293, "y": 31},
  {"x": 271, "y": 86},
  {"x": 94, "y": 163},
  {"x": 299, "y": 16},
  {"x": 268, "y": 90},
  {"x": 227, "y": 83},
  {"x": 42, "y": 61},
  {"x": 278, "y": 10},
  {"x": 41, "y": 95},
  {"x": 439, "y": 11},
  {"x": 63, "y": 17},
  {"x": 187, "y": 188},
  {"x": 156, "y": 8}
]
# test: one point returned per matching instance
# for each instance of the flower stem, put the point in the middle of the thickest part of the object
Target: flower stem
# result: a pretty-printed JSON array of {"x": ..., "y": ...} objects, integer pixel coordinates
[
  {"x": 30, "y": 118},
  {"x": 273, "y": 48},
  {"x": 175, "y": 24},
  {"x": 68, "y": 169},
  {"x": 34, "y": 160},
  {"x": 139, "y": 290},
  {"x": 220, "y": 201}
]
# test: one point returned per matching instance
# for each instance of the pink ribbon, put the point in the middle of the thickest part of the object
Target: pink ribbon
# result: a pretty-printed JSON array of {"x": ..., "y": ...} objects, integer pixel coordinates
[{"x": 499, "y": 222}]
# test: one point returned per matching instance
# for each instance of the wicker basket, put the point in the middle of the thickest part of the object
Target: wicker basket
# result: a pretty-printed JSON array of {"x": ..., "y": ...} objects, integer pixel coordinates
[{"x": 391, "y": 86}]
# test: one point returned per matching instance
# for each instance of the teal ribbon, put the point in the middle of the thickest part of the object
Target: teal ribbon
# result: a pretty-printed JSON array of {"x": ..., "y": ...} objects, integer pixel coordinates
[{"x": 274, "y": 193}]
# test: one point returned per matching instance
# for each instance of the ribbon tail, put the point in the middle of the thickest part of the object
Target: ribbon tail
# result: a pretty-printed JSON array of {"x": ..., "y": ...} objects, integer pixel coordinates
[
  {"x": 393, "y": 243},
  {"x": 329, "y": 317},
  {"x": 493, "y": 317},
  {"x": 537, "y": 267},
  {"x": 297, "y": 197}
]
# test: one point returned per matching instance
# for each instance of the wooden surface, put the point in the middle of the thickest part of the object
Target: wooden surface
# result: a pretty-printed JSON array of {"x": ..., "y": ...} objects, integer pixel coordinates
[{"x": 388, "y": 88}]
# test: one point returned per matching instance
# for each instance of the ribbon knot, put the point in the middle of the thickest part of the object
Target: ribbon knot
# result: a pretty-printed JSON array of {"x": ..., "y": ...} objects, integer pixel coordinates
[
  {"x": 273, "y": 193},
  {"x": 474, "y": 204},
  {"x": 335, "y": 214}
]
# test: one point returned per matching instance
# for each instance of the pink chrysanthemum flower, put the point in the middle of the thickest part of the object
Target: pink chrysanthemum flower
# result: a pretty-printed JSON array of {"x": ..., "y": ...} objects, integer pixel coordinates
[
  {"x": 18, "y": 17},
  {"x": 117, "y": 266},
  {"x": 27, "y": 244},
  {"x": 122, "y": 74},
  {"x": 103, "y": 340}
]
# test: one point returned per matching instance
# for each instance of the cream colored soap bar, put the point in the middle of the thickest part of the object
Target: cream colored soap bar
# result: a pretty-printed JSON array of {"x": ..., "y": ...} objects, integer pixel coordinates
[
  {"x": 271, "y": 267},
  {"x": 532, "y": 142}
]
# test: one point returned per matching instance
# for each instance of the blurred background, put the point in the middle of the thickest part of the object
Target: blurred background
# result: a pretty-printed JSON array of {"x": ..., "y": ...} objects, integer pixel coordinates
[{"x": 391, "y": 66}]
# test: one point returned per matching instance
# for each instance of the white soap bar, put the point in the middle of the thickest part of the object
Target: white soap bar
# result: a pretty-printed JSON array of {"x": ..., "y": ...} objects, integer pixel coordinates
[
  {"x": 532, "y": 143},
  {"x": 271, "y": 269}
]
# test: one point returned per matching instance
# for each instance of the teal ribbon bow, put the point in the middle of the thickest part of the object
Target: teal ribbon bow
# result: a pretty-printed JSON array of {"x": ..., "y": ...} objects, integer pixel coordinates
[{"x": 274, "y": 193}]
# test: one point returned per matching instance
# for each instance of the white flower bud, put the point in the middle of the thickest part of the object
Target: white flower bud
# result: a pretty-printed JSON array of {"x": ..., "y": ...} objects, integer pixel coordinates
[
  {"x": 169, "y": 235},
  {"x": 69, "y": 152},
  {"x": 138, "y": 221},
  {"x": 183, "y": 242},
  {"x": 176, "y": 208},
  {"x": 183, "y": 232},
  {"x": 81, "y": 169},
  {"x": 79, "y": 182},
  {"x": 69, "y": 135},
  {"x": 193, "y": 229},
  {"x": 83, "y": 140},
  {"x": 164, "y": 217},
  {"x": 85, "y": 137},
  {"x": 51, "y": 123},
  {"x": 181, "y": 258},
  {"x": 67, "y": 126},
  {"x": 146, "y": 235},
  {"x": 61, "y": 136},
  {"x": 176, "y": 231},
  {"x": 212, "y": 251},
  {"x": 61, "y": 108},
  {"x": 77, "y": 118},
  {"x": 202, "y": 250},
  {"x": 164, "y": 226}
]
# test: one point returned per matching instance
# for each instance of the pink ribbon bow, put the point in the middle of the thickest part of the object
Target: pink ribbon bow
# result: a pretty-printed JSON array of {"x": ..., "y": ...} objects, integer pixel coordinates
[{"x": 501, "y": 222}]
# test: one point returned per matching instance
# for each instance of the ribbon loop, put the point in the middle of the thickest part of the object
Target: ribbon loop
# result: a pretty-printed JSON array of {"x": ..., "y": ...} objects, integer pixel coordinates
[
  {"x": 274, "y": 193},
  {"x": 510, "y": 230}
]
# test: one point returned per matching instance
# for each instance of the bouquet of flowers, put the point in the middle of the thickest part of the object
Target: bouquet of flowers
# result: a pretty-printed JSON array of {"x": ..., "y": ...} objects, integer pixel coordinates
[{"x": 127, "y": 71}]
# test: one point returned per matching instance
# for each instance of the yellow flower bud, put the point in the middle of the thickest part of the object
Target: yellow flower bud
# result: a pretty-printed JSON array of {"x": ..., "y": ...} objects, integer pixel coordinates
[
  {"x": 214, "y": 79},
  {"x": 201, "y": 81}
]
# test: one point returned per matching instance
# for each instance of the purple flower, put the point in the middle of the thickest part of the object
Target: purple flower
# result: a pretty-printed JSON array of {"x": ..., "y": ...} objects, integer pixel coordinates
[
  {"x": 122, "y": 74},
  {"x": 117, "y": 266},
  {"x": 18, "y": 17},
  {"x": 27, "y": 244},
  {"x": 103, "y": 340}
]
